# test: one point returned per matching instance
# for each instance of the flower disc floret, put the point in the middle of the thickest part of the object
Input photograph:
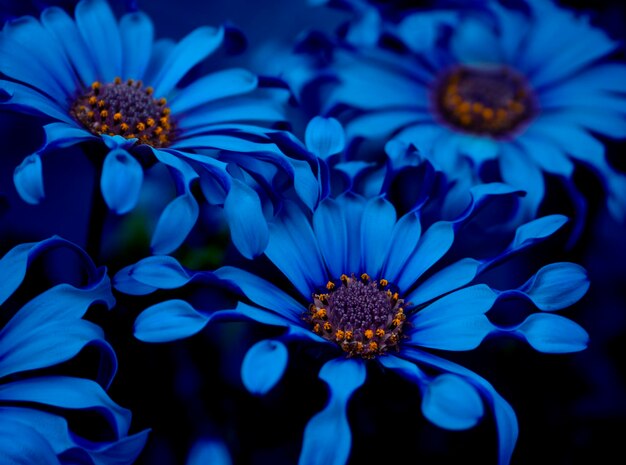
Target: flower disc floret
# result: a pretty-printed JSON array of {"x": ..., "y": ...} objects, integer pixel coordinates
[
  {"x": 363, "y": 316},
  {"x": 126, "y": 109},
  {"x": 487, "y": 101}
]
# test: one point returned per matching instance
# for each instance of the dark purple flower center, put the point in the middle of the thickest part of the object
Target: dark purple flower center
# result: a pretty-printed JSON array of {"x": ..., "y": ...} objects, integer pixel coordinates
[
  {"x": 126, "y": 109},
  {"x": 486, "y": 101},
  {"x": 361, "y": 315}
]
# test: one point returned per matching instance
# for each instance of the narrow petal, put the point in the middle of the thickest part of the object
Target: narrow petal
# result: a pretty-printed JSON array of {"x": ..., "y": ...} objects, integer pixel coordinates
[
  {"x": 475, "y": 43},
  {"x": 99, "y": 29},
  {"x": 553, "y": 334},
  {"x": 190, "y": 51},
  {"x": 454, "y": 322},
  {"x": 403, "y": 241},
  {"x": 546, "y": 154},
  {"x": 448, "y": 279},
  {"x": 28, "y": 179},
  {"x": 521, "y": 173},
  {"x": 30, "y": 101},
  {"x": 452, "y": 403},
  {"x": 214, "y": 86},
  {"x": 557, "y": 286},
  {"x": 327, "y": 436},
  {"x": 137, "y": 35},
  {"x": 168, "y": 321},
  {"x": 162, "y": 272},
  {"x": 263, "y": 366},
  {"x": 244, "y": 214},
  {"x": 174, "y": 224},
  {"x": 540, "y": 228},
  {"x": 121, "y": 181},
  {"x": 21, "y": 444},
  {"x": 379, "y": 219},
  {"x": 324, "y": 137}
]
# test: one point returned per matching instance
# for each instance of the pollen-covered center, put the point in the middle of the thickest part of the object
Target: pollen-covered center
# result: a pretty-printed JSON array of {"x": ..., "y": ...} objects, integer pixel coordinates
[
  {"x": 486, "y": 101},
  {"x": 363, "y": 316},
  {"x": 126, "y": 109}
]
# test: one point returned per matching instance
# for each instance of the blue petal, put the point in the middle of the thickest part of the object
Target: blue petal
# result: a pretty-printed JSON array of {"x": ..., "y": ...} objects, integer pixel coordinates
[
  {"x": 190, "y": 51},
  {"x": 324, "y": 137},
  {"x": 161, "y": 51},
  {"x": 217, "y": 85},
  {"x": 433, "y": 245},
  {"x": 28, "y": 179},
  {"x": 68, "y": 393},
  {"x": 174, "y": 224},
  {"x": 506, "y": 421},
  {"x": 557, "y": 286},
  {"x": 65, "y": 135},
  {"x": 379, "y": 219},
  {"x": 137, "y": 34},
  {"x": 517, "y": 171},
  {"x": 248, "y": 226},
  {"x": 549, "y": 156},
  {"x": 403, "y": 241},
  {"x": 572, "y": 139},
  {"x": 452, "y": 403},
  {"x": 209, "y": 452},
  {"x": 28, "y": 100},
  {"x": 540, "y": 228},
  {"x": 162, "y": 272},
  {"x": 332, "y": 235},
  {"x": 99, "y": 29},
  {"x": 294, "y": 250},
  {"x": 554, "y": 334},
  {"x": 263, "y": 366},
  {"x": 168, "y": 321},
  {"x": 65, "y": 31},
  {"x": 454, "y": 322},
  {"x": 263, "y": 293},
  {"x": 475, "y": 43},
  {"x": 122, "y": 177},
  {"x": 327, "y": 436},
  {"x": 305, "y": 183},
  {"x": 380, "y": 124},
  {"x": 21, "y": 444},
  {"x": 44, "y": 67},
  {"x": 448, "y": 279}
]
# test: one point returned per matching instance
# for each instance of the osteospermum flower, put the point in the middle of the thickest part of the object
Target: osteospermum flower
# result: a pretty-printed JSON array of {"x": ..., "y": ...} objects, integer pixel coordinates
[
  {"x": 107, "y": 82},
  {"x": 531, "y": 90},
  {"x": 43, "y": 333},
  {"x": 371, "y": 288}
]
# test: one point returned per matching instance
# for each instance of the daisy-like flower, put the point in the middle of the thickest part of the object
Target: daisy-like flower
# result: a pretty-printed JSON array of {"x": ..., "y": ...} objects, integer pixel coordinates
[
  {"x": 108, "y": 84},
  {"x": 42, "y": 334},
  {"x": 373, "y": 288},
  {"x": 533, "y": 90}
]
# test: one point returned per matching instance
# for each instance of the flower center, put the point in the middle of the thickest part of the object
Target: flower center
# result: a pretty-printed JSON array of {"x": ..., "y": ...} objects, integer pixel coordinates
[
  {"x": 126, "y": 109},
  {"x": 494, "y": 101},
  {"x": 361, "y": 315}
]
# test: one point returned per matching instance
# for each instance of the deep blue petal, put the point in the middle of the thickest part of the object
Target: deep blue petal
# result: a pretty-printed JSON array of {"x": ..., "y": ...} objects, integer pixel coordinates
[
  {"x": 554, "y": 334},
  {"x": 327, "y": 436},
  {"x": 324, "y": 136},
  {"x": 137, "y": 35},
  {"x": 448, "y": 279},
  {"x": 535, "y": 230},
  {"x": 174, "y": 224},
  {"x": 190, "y": 51},
  {"x": 263, "y": 366},
  {"x": 31, "y": 101},
  {"x": 209, "y": 451},
  {"x": 121, "y": 181},
  {"x": 379, "y": 219},
  {"x": 452, "y": 403},
  {"x": 21, "y": 444},
  {"x": 168, "y": 321},
  {"x": 101, "y": 34},
  {"x": 332, "y": 235},
  {"x": 244, "y": 214},
  {"x": 28, "y": 179},
  {"x": 519, "y": 172},
  {"x": 403, "y": 241},
  {"x": 557, "y": 285}
]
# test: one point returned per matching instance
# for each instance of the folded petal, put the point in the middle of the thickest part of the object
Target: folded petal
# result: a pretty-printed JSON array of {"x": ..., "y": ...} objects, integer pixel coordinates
[
  {"x": 557, "y": 286},
  {"x": 324, "y": 136},
  {"x": 553, "y": 334},
  {"x": 452, "y": 403},
  {"x": 174, "y": 224},
  {"x": 168, "y": 321},
  {"x": 122, "y": 177},
  {"x": 28, "y": 179},
  {"x": 263, "y": 366}
]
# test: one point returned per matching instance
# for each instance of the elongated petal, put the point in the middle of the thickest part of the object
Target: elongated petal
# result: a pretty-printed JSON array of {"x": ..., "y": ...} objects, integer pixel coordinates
[
  {"x": 28, "y": 179},
  {"x": 122, "y": 177},
  {"x": 168, "y": 321},
  {"x": 23, "y": 445},
  {"x": 452, "y": 403},
  {"x": 248, "y": 227},
  {"x": 554, "y": 334},
  {"x": 137, "y": 35},
  {"x": 557, "y": 286},
  {"x": 454, "y": 322},
  {"x": 448, "y": 279},
  {"x": 324, "y": 136},
  {"x": 537, "y": 229},
  {"x": 332, "y": 235},
  {"x": 162, "y": 271},
  {"x": 190, "y": 51},
  {"x": 327, "y": 436},
  {"x": 379, "y": 219},
  {"x": 263, "y": 366},
  {"x": 174, "y": 224}
]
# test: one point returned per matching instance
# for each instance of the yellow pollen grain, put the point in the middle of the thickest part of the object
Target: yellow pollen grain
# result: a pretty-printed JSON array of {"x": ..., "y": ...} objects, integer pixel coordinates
[
  {"x": 327, "y": 326},
  {"x": 373, "y": 346},
  {"x": 101, "y": 103},
  {"x": 117, "y": 80},
  {"x": 90, "y": 114},
  {"x": 104, "y": 128},
  {"x": 477, "y": 107},
  {"x": 368, "y": 333},
  {"x": 464, "y": 107},
  {"x": 130, "y": 135},
  {"x": 141, "y": 127},
  {"x": 321, "y": 313},
  {"x": 384, "y": 282},
  {"x": 316, "y": 328},
  {"x": 380, "y": 332},
  {"x": 164, "y": 120},
  {"x": 158, "y": 130},
  {"x": 488, "y": 113},
  {"x": 104, "y": 114},
  {"x": 359, "y": 347},
  {"x": 163, "y": 138},
  {"x": 93, "y": 100},
  {"x": 166, "y": 111},
  {"x": 150, "y": 122},
  {"x": 348, "y": 335},
  {"x": 124, "y": 127},
  {"x": 117, "y": 117},
  {"x": 130, "y": 82},
  {"x": 149, "y": 90},
  {"x": 162, "y": 101},
  {"x": 339, "y": 335},
  {"x": 95, "y": 85}
]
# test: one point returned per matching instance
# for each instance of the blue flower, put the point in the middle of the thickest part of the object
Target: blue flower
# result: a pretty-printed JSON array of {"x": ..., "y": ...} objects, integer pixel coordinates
[
  {"x": 107, "y": 81},
  {"x": 374, "y": 287},
  {"x": 44, "y": 333},
  {"x": 533, "y": 91}
]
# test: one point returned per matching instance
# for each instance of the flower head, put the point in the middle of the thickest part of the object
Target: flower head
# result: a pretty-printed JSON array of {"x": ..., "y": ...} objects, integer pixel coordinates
[
  {"x": 106, "y": 83},
  {"x": 533, "y": 90},
  {"x": 42, "y": 334}
]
